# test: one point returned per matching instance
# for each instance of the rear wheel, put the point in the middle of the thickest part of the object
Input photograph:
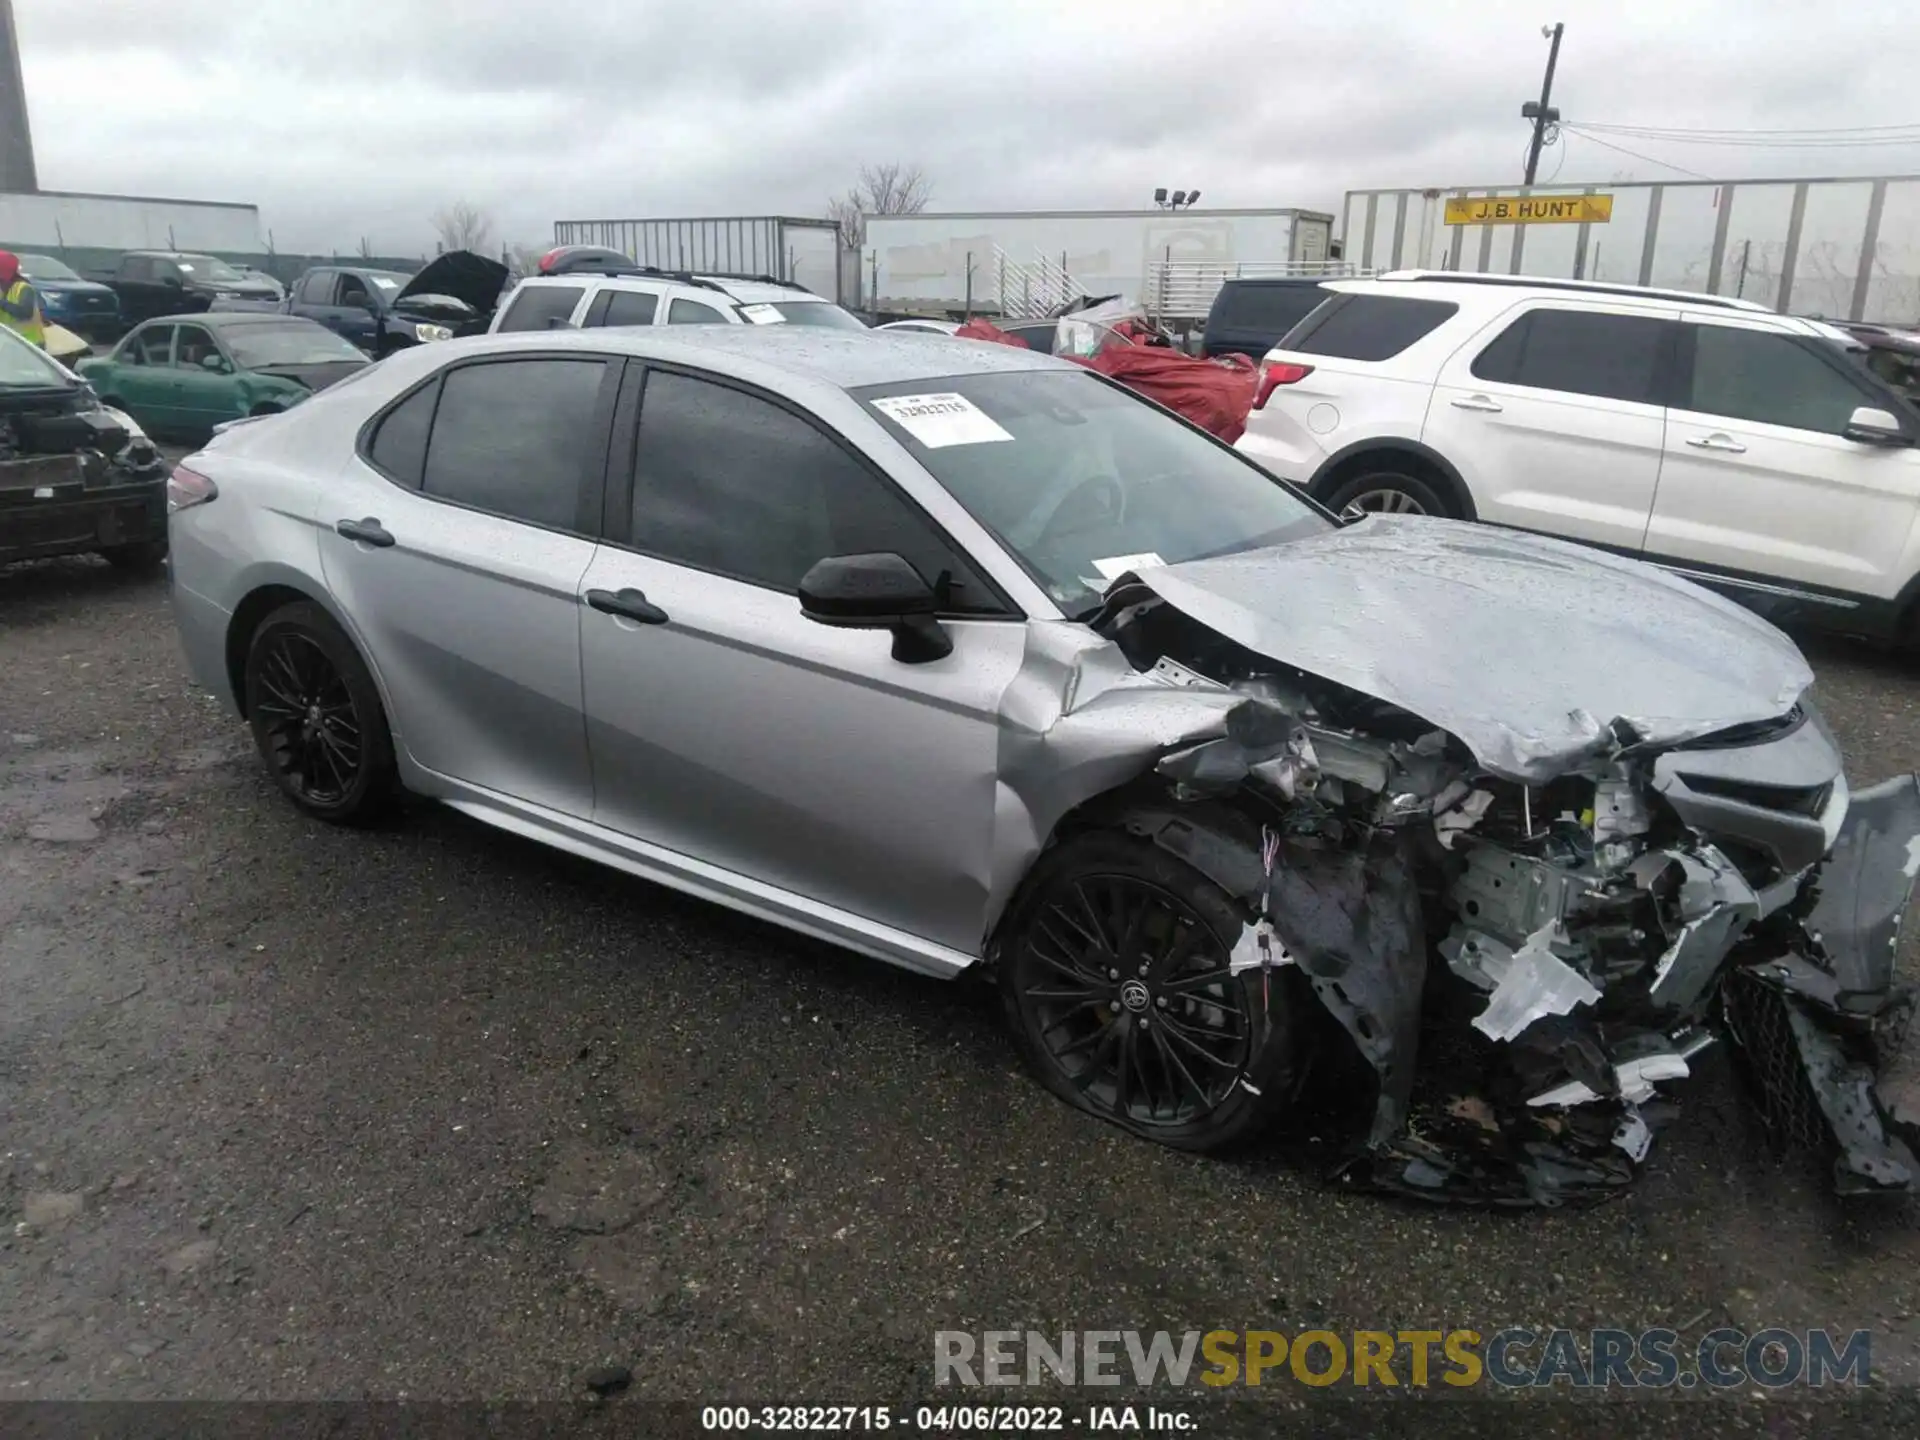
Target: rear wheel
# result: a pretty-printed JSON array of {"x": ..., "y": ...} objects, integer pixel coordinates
[
  {"x": 1386, "y": 490},
  {"x": 317, "y": 717},
  {"x": 1117, "y": 982}
]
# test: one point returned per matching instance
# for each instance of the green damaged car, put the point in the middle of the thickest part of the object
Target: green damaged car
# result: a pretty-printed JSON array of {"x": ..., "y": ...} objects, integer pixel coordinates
[{"x": 181, "y": 375}]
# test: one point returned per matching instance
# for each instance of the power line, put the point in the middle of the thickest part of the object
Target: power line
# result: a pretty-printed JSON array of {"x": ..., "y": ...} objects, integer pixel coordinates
[
  {"x": 1851, "y": 143},
  {"x": 1675, "y": 130},
  {"x": 1665, "y": 164}
]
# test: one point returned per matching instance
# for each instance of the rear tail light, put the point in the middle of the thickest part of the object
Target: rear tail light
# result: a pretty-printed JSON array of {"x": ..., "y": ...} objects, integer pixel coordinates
[
  {"x": 186, "y": 488},
  {"x": 1274, "y": 374},
  {"x": 547, "y": 260}
]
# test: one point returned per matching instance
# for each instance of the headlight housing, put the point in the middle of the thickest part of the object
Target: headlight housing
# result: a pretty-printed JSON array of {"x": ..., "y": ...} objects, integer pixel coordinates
[{"x": 424, "y": 333}]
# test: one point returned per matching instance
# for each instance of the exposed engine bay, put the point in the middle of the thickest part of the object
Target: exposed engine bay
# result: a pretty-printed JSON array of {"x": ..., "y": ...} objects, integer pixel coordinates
[
  {"x": 1528, "y": 944},
  {"x": 106, "y": 446}
]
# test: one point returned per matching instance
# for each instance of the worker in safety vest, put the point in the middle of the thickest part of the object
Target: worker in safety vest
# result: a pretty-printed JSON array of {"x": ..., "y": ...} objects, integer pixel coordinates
[{"x": 19, "y": 301}]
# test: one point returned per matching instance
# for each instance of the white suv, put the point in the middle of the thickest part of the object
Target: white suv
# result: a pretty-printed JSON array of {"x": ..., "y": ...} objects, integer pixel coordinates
[
  {"x": 1750, "y": 451},
  {"x": 639, "y": 296}
]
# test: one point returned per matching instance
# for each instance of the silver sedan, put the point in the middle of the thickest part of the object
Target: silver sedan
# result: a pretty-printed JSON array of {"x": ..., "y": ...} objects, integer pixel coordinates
[{"x": 966, "y": 658}]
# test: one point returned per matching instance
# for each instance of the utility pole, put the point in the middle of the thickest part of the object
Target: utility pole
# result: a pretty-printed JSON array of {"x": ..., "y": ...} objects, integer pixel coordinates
[{"x": 1541, "y": 113}]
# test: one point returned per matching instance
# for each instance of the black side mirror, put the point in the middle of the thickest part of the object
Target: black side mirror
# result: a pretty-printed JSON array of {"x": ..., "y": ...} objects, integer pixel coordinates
[{"x": 877, "y": 592}]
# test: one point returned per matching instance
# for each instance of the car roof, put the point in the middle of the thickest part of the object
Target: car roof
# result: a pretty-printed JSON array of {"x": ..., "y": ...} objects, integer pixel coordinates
[
  {"x": 1476, "y": 281},
  {"x": 741, "y": 292},
  {"x": 232, "y": 319},
  {"x": 1493, "y": 295},
  {"x": 844, "y": 359}
]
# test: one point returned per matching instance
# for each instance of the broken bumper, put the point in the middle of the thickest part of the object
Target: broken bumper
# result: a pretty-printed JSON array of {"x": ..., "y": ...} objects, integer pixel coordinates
[
  {"x": 1563, "y": 1105},
  {"x": 1823, "y": 1024}
]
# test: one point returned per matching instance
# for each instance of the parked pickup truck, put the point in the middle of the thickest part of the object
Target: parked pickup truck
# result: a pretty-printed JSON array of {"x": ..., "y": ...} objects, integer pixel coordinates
[
  {"x": 173, "y": 282},
  {"x": 382, "y": 310}
]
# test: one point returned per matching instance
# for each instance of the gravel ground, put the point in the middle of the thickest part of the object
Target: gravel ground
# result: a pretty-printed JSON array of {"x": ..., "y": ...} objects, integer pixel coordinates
[{"x": 432, "y": 1112}]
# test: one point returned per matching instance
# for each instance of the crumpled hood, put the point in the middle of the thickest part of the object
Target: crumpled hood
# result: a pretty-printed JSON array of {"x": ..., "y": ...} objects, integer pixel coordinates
[{"x": 1524, "y": 648}]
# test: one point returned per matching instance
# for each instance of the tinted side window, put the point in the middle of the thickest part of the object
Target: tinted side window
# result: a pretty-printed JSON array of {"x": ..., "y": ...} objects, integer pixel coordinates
[
  {"x": 729, "y": 482},
  {"x": 136, "y": 267},
  {"x": 1615, "y": 357},
  {"x": 1372, "y": 327},
  {"x": 1040, "y": 338},
  {"x": 317, "y": 288},
  {"x": 692, "y": 312},
  {"x": 1750, "y": 375},
  {"x": 1270, "y": 309},
  {"x": 515, "y": 437},
  {"x": 629, "y": 307},
  {"x": 536, "y": 307},
  {"x": 400, "y": 444}
]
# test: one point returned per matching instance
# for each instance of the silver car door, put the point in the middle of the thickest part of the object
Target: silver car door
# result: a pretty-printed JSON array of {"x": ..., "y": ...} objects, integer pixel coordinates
[
  {"x": 726, "y": 726},
  {"x": 456, "y": 542}
]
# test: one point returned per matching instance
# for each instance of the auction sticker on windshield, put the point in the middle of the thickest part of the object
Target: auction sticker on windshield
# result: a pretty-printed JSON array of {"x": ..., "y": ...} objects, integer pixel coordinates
[
  {"x": 937, "y": 421},
  {"x": 1114, "y": 566},
  {"x": 762, "y": 315}
]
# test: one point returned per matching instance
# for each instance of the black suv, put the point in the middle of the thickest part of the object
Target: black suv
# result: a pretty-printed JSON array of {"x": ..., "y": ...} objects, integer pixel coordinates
[
  {"x": 1249, "y": 316},
  {"x": 75, "y": 477}
]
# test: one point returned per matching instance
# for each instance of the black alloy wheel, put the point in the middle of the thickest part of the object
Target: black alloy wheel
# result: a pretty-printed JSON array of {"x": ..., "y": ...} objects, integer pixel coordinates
[
  {"x": 316, "y": 716},
  {"x": 1119, "y": 985}
]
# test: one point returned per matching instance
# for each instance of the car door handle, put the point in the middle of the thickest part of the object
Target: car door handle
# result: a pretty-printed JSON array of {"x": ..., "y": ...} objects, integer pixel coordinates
[
  {"x": 1477, "y": 402},
  {"x": 368, "y": 532},
  {"x": 629, "y": 604},
  {"x": 1718, "y": 442}
]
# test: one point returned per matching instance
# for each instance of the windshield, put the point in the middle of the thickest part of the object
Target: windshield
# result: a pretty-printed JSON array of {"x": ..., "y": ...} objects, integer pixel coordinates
[
  {"x": 255, "y": 346},
  {"x": 25, "y": 366},
  {"x": 208, "y": 268},
  {"x": 1083, "y": 482},
  {"x": 45, "y": 267},
  {"x": 822, "y": 313}
]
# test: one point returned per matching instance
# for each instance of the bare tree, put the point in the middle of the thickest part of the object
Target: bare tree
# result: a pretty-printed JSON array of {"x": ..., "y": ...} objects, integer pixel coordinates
[
  {"x": 524, "y": 259},
  {"x": 890, "y": 189},
  {"x": 463, "y": 227}
]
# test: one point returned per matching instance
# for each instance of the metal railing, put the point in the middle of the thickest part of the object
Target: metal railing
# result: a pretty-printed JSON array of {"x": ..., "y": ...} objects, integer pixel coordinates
[
  {"x": 1033, "y": 288},
  {"x": 1184, "y": 289}
]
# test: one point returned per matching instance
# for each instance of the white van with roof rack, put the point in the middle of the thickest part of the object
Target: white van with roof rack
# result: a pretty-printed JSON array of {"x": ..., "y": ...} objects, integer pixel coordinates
[
  {"x": 1751, "y": 451},
  {"x": 626, "y": 294}
]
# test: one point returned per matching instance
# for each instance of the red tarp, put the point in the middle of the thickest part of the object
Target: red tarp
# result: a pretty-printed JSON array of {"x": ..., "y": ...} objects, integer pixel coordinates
[{"x": 1216, "y": 395}]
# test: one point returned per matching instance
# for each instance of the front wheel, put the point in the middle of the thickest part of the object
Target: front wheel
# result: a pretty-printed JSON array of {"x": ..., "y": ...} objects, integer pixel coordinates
[
  {"x": 1117, "y": 982},
  {"x": 1387, "y": 492},
  {"x": 317, "y": 718}
]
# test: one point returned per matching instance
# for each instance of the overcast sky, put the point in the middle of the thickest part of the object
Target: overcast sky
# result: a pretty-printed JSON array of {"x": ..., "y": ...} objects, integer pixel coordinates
[{"x": 354, "y": 119}]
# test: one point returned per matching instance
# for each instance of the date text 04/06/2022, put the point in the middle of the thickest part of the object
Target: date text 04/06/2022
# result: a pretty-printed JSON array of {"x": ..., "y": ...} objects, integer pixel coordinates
[{"x": 943, "y": 1419}]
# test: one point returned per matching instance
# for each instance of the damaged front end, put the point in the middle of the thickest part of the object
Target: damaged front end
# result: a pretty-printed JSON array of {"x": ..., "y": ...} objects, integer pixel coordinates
[{"x": 1525, "y": 945}]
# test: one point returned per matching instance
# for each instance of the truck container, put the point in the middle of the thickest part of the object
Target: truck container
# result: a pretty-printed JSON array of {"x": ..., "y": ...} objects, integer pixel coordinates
[
  {"x": 1845, "y": 249},
  {"x": 1026, "y": 262},
  {"x": 806, "y": 252}
]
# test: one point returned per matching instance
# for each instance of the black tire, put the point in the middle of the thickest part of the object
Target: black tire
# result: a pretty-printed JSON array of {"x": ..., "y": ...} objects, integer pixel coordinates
[
  {"x": 317, "y": 718},
  {"x": 1388, "y": 490},
  {"x": 1071, "y": 991},
  {"x": 141, "y": 556}
]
